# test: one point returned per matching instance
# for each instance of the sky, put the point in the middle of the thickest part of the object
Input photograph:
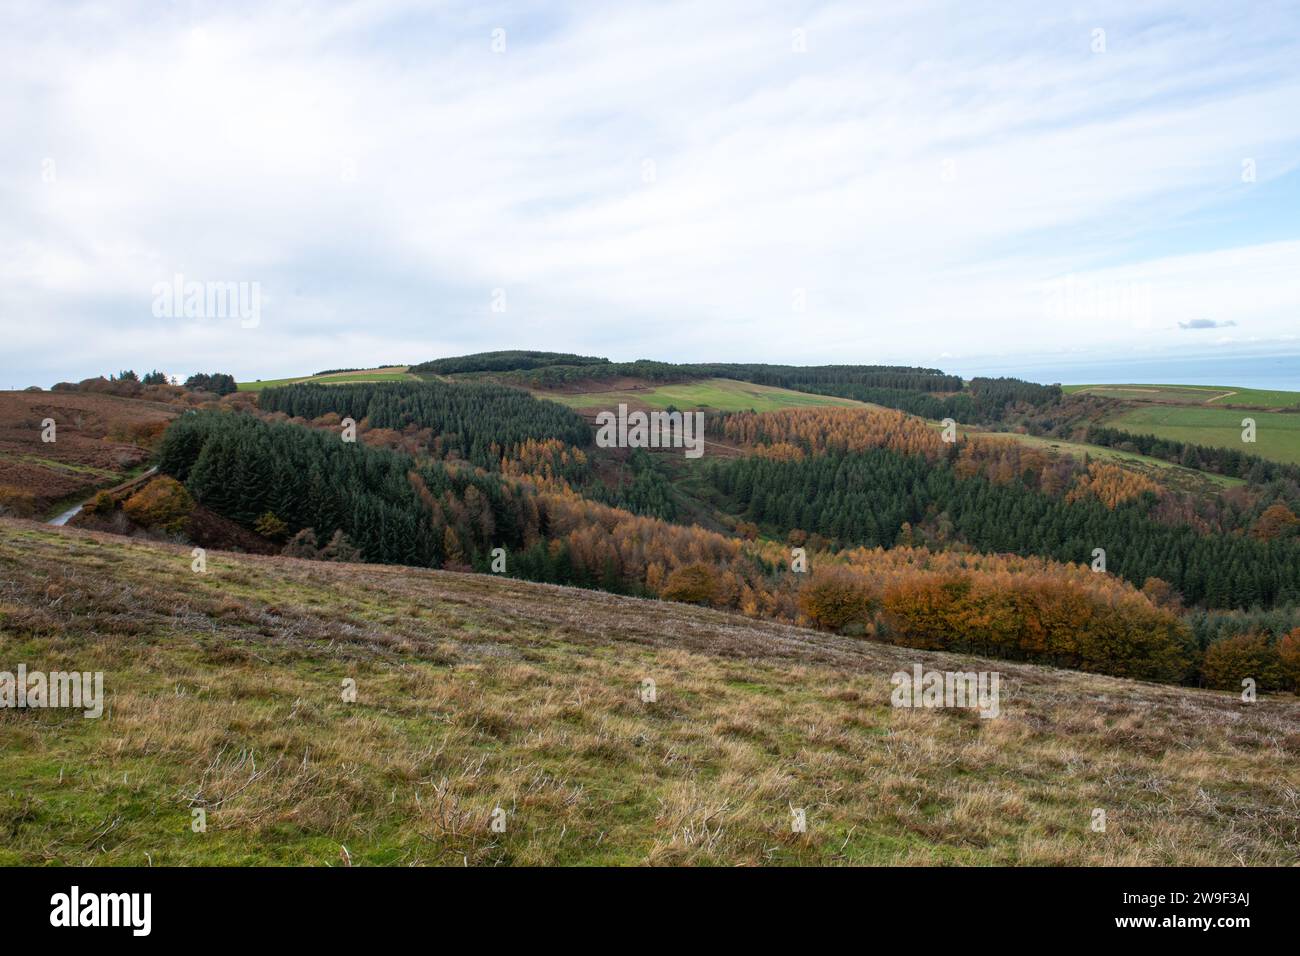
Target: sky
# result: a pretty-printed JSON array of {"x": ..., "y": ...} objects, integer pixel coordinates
[{"x": 922, "y": 183}]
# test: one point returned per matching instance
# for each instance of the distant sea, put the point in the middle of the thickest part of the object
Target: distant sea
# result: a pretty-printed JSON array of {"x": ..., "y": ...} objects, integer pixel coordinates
[{"x": 1272, "y": 371}]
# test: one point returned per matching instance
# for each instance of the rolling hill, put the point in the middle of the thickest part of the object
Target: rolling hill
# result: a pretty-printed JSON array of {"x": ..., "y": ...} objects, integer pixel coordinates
[
  {"x": 1277, "y": 434},
  {"x": 388, "y": 373},
  {"x": 1217, "y": 395},
  {"x": 718, "y": 394},
  {"x": 475, "y": 693},
  {"x": 1207, "y": 415}
]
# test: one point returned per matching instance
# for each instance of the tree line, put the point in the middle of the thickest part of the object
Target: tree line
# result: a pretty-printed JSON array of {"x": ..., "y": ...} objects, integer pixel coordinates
[
  {"x": 504, "y": 361},
  {"x": 219, "y": 383},
  {"x": 874, "y": 498},
  {"x": 1232, "y": 462},
  {"x": 475, "y": 421},
  {"x": 807, "y": 378},
  {"x": 987, "y": 400}
]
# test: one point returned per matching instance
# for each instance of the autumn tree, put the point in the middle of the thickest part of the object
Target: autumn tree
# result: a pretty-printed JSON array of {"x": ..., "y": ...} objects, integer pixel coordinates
[
  {"x": 16, "y": 501},
  {"x": 1162, "y": 594},
  {"x": 1112, "y": 485},
  {"x": 1288, "y": 653},
  {"x": 1277, "y": 521},
  {"x": 163, "y": 504},
  {"x": 1230, "y": 661},
  {"x": 271, "y": 527},
  {"x": 692, "y": 584},
  {"x": 454, "y": 556},
  {"x": 836, "y": 598},
  {"x": 101, "y": 504}
]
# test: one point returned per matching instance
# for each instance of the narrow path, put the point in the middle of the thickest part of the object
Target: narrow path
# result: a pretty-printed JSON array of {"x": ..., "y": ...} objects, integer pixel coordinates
[{"x": 66, "y": 516}]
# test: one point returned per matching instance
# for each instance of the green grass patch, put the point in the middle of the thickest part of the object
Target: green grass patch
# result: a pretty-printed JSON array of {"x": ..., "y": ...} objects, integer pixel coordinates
[
  {"x": 1277, "y": 434},
  {"x": 720, "y": 394},
  {"x": 1210, "y": 395},
  {"x": 391, "y": 374}
]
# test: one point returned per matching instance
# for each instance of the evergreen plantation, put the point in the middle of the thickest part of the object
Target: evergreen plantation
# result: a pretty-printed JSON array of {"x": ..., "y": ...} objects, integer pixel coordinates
[
  {"x": 566, "y": 366},
  {"x": 986, "y": 400},
  {"x": 810, "y": 378},
  {"x": 477, "y": 422},
  {"x": 393, "y": 510},
  {"x": 865, "y": 498},
  {"x": 505, "y": 361}
]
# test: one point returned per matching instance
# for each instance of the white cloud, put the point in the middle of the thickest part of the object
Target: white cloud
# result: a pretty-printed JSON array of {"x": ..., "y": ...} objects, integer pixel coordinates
[{"x": 928, "y": 178}]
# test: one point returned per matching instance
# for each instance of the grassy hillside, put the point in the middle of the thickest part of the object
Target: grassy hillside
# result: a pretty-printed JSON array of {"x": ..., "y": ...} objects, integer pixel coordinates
[
  {"x": 1207, "y": 415},
  {"x": 223, "y": 693},
  {"x": 720, "y": 394},
  {"x": 1221, "y": 396},
  {"x": 1277, "y": 433},
  {"x": 393, "y": 373}
]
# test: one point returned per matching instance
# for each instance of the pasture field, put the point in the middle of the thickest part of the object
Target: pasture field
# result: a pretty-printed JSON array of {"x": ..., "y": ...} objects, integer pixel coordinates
[
  {"x": 392, "y": 373},
  {"x": 1209, "y": 395},
  {"x": 719, "y": 394},
  {"x": 1277, "y": 434},
  {"x": 223, "y": 693}
]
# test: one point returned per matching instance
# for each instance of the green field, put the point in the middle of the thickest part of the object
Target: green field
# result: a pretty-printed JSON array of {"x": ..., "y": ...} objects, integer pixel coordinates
[
  {"x": 396, "y": 373},
  {"x": 1277, "y": 434},
  {"x": 721, "y": 394},
  {"x": 1211, "y": 395}
]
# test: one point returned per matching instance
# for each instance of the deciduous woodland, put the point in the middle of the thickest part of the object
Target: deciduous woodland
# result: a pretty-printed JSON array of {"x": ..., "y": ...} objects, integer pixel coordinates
[{"x": 983, "y": 545}]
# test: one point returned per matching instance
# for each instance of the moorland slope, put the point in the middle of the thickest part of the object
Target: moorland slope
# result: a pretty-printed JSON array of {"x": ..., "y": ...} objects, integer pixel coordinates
[{"x": 224, "y": 695}]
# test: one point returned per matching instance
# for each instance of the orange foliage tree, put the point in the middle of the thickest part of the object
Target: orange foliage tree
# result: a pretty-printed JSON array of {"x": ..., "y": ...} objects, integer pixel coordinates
[
  {"x": 1288, "y": 654},
  {"x": 1111, "y": 484},
  {"x": 163, "y": 503},
  {"x": 836, "y": 597},
  {"x": 1277, "y": 521},
  {"x": 1230, "y": 661},
  {"x": 692, "y": 584}
]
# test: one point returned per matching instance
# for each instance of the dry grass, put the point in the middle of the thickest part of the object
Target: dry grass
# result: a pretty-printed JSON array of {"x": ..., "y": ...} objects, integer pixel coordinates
[
  {"x": 99, "y": 439},
  {"x": 473, "y": 693}
]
